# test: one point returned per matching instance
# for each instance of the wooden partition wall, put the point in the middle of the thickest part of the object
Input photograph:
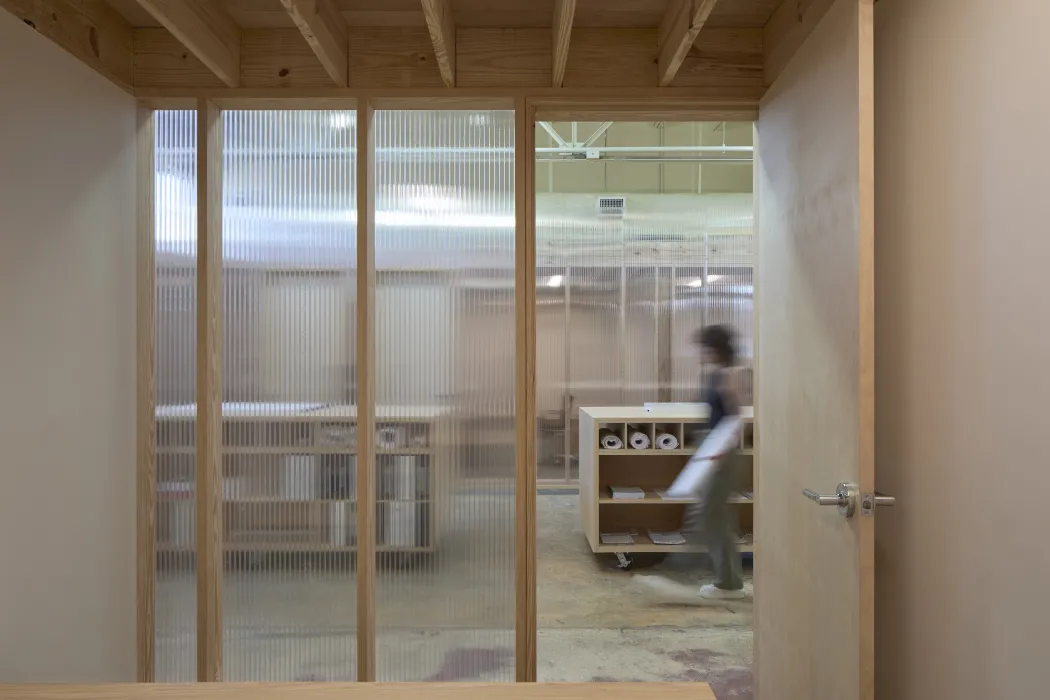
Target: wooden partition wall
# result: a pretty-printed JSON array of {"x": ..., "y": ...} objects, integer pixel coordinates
[{"x": 560, "y": 105}]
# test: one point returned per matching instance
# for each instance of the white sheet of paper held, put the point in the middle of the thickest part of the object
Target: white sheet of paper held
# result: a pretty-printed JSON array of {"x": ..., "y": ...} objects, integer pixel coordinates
[{"x": 723, "y": 438}]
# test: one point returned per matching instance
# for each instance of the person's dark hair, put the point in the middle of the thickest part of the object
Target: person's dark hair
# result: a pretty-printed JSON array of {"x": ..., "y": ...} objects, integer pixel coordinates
[{"x": 719, "y": 340}]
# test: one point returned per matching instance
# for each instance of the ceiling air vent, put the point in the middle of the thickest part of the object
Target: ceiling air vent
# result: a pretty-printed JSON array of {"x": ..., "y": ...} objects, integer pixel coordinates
[{"x": 612, "y": 207}]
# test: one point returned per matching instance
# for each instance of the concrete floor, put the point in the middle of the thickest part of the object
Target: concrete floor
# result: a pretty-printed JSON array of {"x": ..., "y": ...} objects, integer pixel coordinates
[{"x": 452, "y": 618}]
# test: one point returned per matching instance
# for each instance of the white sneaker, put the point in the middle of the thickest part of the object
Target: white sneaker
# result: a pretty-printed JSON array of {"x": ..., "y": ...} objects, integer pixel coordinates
[{"x": 712, "y": 592}]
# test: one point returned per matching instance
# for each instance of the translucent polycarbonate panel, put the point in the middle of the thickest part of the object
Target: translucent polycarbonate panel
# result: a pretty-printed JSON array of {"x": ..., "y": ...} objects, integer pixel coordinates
[
  {"x": 636, "y": 284},
  {"x": 553, "y": 409},
  {"x": 717, "y": 288},
  {"x": 175, "y": 236},
  {"x": 444, "y": 373},
  {"x": 289, "y": 404}
]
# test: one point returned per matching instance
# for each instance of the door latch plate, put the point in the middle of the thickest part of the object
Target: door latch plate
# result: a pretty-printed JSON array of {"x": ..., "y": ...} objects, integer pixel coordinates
[{"x": 867, "y": 505}]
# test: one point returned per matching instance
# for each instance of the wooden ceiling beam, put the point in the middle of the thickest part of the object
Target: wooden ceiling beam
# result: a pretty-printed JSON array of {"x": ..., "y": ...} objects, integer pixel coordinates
[
  {"x": 91, "y": 30},
  {"x": 564, "y": 11},
  {"x": 326, "y": 32},
  {"x": 206, "y": 29},
  {"x": 681, "y": 24},
  {"x": 438, "y": 14}
]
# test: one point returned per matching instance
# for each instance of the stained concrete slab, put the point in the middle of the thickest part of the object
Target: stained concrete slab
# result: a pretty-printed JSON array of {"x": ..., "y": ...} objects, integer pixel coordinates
[{"x": 451, "y": 618}]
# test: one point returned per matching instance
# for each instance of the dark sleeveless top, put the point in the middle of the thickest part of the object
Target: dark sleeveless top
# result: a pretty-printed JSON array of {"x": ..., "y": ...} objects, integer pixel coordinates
[{"x": 712, "y": 396}]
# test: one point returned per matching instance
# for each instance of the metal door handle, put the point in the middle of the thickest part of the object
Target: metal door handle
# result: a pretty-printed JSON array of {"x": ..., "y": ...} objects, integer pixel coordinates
[
  {"x": 884, "y": 501},
  {"x": 845, "y": 499},
  {"x": 822, "y": 500}
]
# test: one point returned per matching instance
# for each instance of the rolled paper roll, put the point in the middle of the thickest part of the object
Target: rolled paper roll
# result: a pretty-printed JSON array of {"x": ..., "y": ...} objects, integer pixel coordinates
[
  {"x": 610, "y": 440},
  {"x": 638, "y": 440},
  {"x": 666, "y": 441}
]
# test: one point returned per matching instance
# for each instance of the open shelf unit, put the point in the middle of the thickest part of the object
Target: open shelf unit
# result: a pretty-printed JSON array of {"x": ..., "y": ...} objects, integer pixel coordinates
[
  {"x": 653, "y": 470},
  {"x": 290, "y": 472}
]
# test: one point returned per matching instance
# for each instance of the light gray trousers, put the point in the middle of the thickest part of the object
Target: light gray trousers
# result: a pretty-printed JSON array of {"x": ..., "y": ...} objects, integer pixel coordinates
[{"x": 711, "y": 520}]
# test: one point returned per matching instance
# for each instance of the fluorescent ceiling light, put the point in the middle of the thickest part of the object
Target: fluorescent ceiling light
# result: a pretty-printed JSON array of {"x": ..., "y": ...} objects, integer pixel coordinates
[
  {"x": 555, "y": 281},
  {"x": 341, "y": 120},
  {"x": 699, "y": 281}
]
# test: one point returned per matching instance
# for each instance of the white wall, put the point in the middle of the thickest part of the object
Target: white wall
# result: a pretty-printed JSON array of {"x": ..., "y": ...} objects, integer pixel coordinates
[
  {"x": 963, "y": 338},
  {"x": 67, "y": 367}
]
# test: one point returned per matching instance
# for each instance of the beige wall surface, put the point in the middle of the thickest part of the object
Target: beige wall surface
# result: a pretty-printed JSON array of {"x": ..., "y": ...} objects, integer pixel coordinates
[
  {"x": 67, "y": 367},
  {"x": 963, "y": 337}
]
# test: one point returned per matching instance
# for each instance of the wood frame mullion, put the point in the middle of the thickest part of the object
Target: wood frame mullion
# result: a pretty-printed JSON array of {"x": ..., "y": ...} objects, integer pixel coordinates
[
  {"x": 209, "y": 391},
  {"x": 365, "y": 382},
  {"x": 525, "y": 389},
  {"x": 146, "y": 400}
]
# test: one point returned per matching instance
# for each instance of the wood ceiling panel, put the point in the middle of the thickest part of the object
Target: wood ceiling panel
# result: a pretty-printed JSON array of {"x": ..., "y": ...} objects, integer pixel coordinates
[
  {"x": 478, "y": 13},
  {"x": 723, "y": 56},
  {"x": 492, "y": 57},
  {"x": 383, "y": 18},
  {"x": 280, "y": 58},
  {"x": 258, "y": 14},
  {"x": 393, "y": 57},
  {"x": 620, "y": 13},
  {"x": 624, "y": 57},
  {"x": 134, "y": 13},
  {"x": 162, "y": 61},
  {"x": 742, "y": 13}
]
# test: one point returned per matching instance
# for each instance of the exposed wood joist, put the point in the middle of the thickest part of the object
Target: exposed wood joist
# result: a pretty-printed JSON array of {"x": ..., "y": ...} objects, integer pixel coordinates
[
  {"x": 383, "y": 58},
  {"x": 789, "y": 27},
  {"x": 366, "y": 425},
  {"x": 89, "y": 29},
  {"x": 564, "y": 11},
  {"x": 681, "y": 24},
  {"x": 326, "y": 32},
  {"x": 206, "y": 29},
  {"x": 438, "y": 14},
  {"x": 525, "y": 391},
  {"x": 209, "y": 392}
]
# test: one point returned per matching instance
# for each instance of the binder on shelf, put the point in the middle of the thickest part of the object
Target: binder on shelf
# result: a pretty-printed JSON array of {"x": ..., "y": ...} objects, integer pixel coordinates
[
  {"x": 670, "y": 538},
  {"x": 627, "y": 493}
]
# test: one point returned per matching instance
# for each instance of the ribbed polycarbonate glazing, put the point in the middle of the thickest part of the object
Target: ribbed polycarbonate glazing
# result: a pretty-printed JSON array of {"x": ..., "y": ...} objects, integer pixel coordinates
[
  {"x": 444, "y": 373},
  {"x": 175, "y": 232},
  {"x": 288, "y": 391},
  {"x": 619, "y": 298}
]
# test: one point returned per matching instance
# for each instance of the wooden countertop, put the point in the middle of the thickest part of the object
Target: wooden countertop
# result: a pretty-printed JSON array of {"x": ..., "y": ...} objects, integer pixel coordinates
[
  {"x": 670, "y": 413},
  {"x": 364, "y": 691},
  {"x": 301, "y": 412}
]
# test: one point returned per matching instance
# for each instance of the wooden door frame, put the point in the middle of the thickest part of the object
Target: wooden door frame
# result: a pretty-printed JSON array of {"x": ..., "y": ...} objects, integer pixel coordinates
[{"x": 529, "y": 106}]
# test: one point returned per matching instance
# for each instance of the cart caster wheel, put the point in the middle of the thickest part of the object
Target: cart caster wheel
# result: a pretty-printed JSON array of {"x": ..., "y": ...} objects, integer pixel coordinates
[{"x": 624, "y": 561}]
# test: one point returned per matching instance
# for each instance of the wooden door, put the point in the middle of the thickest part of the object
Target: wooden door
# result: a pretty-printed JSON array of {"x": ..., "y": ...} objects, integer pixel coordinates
[{"x": 814, "y": 617}]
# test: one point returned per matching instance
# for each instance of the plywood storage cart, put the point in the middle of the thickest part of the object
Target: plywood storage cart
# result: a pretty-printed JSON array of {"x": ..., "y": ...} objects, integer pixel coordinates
[
  {"x": 289, "y": 478},
  {"x": 652, "y": 470}
]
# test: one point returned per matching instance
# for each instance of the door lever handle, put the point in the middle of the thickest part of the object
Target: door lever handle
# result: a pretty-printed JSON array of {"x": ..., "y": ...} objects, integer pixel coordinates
[
  {"x": 844, "y": 498},
  {"x": 820, "y": 500}
]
